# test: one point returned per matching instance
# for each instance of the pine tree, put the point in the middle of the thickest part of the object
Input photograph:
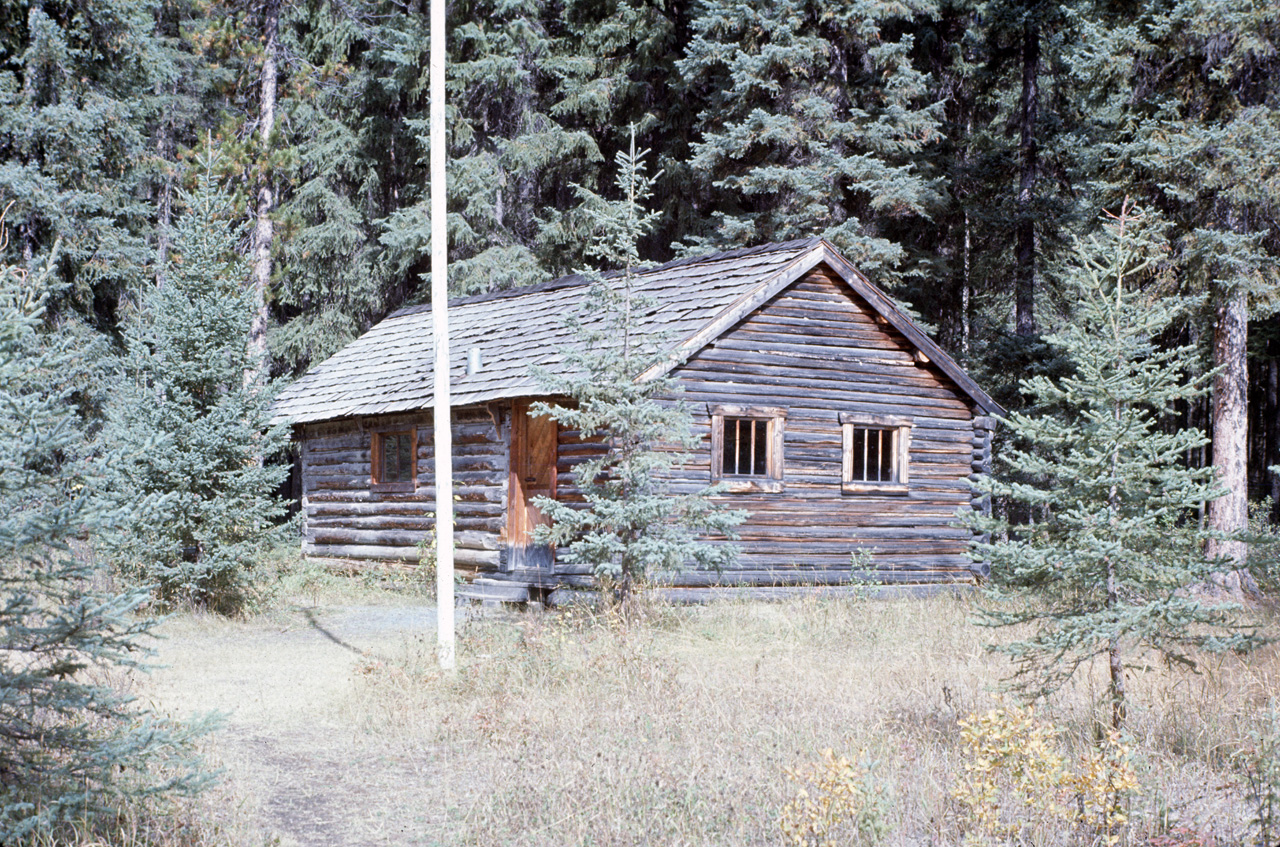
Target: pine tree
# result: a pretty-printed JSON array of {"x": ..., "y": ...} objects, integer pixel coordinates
[
  {"x": 188, "y": 377},
  {"x": 339, "y": 161},
  {"x": 813, "y": 123},
  {"x": 1183, "y": 113},
  {"x": 632, "y": 526},
  {"x": 71, "y": 746},
  {"x": 77, "y": 106},
  {"x": 1105, "y": 564}
]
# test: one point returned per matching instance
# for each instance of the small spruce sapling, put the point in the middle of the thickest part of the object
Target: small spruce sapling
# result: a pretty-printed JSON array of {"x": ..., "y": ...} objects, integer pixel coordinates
[
  {"x": 632, "y": 525},
  {"x": 189, "y": 375},
  {"x": 73, "y": 750},
  {"x": 1109, "y": 563}
]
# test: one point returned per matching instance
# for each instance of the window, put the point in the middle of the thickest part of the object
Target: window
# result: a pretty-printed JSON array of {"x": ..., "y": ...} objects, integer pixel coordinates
[
  {"x": 746, "y": 447},
  {"x": 876, "y": 453},
  {"x": 394, "y": 460}
]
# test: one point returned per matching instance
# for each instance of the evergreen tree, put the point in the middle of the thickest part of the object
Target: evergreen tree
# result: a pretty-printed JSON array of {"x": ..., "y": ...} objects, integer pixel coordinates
[
  {"x": 1105, "y": 564},
  {"x": 71, "y": 746},
  {"x": 345, "y": 162},
  {"x": 1184, "y": 112},
  {"x": 77, "y": 106},
  {"x": 188, "y": 376},
  {"x": 632, "y": 525},
  {"x": 813, "y": 123},
  {"x": 531, "y": 87},
  {"x": 353, "y": 200}
]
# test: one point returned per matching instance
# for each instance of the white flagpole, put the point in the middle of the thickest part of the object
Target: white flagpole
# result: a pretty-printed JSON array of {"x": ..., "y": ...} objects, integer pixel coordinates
[{"x": 440, "y": 330}]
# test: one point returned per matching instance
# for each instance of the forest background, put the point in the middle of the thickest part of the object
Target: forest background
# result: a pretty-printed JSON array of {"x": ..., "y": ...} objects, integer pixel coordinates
[{"x": 951, "y": 150}]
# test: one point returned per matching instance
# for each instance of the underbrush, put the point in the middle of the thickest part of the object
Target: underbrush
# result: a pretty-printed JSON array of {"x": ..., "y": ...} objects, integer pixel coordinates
[
  {"x": 702, "y": 725},
  {"x": 209, "y": 820}
]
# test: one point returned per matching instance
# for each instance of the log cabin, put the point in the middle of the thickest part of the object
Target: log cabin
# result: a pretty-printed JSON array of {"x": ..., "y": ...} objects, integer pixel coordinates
[{"x": 843, "y": 431}]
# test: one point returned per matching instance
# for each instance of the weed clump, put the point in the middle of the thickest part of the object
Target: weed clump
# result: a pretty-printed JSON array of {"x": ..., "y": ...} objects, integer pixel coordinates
[
  {"x": 1016, "y": 780},
  {"x": 837, "y": 801}
]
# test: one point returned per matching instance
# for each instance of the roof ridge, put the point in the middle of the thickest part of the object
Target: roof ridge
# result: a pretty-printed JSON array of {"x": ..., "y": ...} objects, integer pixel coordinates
[{"x": 576, "y": 279}]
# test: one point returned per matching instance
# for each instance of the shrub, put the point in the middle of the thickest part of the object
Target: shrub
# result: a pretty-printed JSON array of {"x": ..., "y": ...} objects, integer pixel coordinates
[
  {"x": 836, "y": 802},
  {"x": 189, "y": 378},
  {"x": 72, "y": 748},
  {"x": 1017, "y": 780}
]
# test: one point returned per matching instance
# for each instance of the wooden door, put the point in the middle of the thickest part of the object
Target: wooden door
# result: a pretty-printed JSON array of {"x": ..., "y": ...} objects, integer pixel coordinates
[{"x": 533, "y": 474}]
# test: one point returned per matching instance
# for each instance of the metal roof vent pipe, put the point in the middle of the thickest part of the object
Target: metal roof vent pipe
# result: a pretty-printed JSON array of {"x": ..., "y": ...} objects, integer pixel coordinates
[{"x": 473, "y": 361}]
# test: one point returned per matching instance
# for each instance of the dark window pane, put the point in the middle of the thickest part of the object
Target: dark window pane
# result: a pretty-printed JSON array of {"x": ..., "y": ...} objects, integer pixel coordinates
[
  {"x": 728, "y": 454},
  {"x": 859, "y": 455},
  {"x": 389, "y": 456},
  {"x": 745, "y": 451},
  {"x": 397, "y": 458},
  {"x": 760, "y": 467},
  {"x": 405, "y": 468},
  {"x": 873, "y": 455}
]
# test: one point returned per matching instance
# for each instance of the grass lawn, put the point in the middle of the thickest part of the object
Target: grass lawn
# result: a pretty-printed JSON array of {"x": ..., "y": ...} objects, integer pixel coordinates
[{"x": 698, "y": 725}]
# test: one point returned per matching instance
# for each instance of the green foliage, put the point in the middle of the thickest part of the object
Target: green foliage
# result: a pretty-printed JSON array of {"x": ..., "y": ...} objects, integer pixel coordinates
[
  {"x": 1200, "y": 140},
  {"x": 71, "y": 746},
  {"x": 344, "y": 161},
  {"x": 1263, "y": 538},
  {"x": 184, "y": 378},
  {"x": 1109, "y": 554},
  {"x": 91, "y": 97},
  {"x": 632, "y": 525},
  {"x": 814, "y": 125}
]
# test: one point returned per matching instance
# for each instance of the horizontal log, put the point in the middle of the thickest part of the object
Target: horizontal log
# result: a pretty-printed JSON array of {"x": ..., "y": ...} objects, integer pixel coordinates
[
  {"x": 677, "y": 595},
  {"x": 463, "y": 557},
  {"x": 362, "y": 551},
  {"x": 881, "y": 403},
  {"x": 852, "y": 535},
  {"x": 865, "y": 376},
  {"x": 816, "y": 577},
  {"x": 803, "y": 319},
  {"x": 751, "y": 559},
  {"x": 423, "y": 521},
  {"x": 317, "y": 483},
  {"x": 397, "y": 537},
  {"x": 363, "y": 501},
  {"x": 338, "y": 459}
]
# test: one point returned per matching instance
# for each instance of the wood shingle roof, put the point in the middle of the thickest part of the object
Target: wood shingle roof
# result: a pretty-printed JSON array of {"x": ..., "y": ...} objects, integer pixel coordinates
[{"x": 389, "y": 368}]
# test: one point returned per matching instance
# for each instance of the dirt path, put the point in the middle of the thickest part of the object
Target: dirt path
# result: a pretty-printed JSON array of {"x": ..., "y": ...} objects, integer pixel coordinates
[{"x": 295, "y": 760}]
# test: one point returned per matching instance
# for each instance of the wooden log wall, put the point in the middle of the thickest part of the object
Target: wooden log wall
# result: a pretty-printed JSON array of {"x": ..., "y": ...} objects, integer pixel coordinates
[
  {"x": 984, "y": 429},
  {"x": 818, "y": 350},
  {"x": 346, "y": 518}
]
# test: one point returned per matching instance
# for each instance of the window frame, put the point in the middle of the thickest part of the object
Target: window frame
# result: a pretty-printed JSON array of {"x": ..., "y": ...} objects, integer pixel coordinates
[
  {"x": 773, "y": 480},
  {"x": 901, "y": 429},
  {"x": 376, "y": 483}
]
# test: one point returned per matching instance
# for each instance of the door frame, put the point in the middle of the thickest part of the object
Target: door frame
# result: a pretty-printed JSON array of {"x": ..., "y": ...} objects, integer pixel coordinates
[{"x": 519, "y": 529}]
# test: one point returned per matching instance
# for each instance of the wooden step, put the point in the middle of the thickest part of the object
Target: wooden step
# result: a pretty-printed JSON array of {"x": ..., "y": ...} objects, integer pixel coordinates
[{"x": 494, "y": 590}]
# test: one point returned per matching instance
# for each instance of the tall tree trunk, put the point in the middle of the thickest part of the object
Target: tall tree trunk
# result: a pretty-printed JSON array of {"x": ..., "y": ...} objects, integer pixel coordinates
[
  {"x": 1271, "y": 454},
  {"x": 167, "y": 27},
  {"x": 1025, "y": 280},
  {"x": 1115, "y": 659},
  {"x": 164, "y": 199},
  {"x": 164, "y": 209},
  {"x": 966, "y": 293},
  {"x": 1230, "y": 512},
  {"x": 263, "y": 231}
]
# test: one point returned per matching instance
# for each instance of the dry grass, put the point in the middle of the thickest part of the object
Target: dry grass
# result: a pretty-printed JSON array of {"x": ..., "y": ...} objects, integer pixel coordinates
[
  {"x": 563, "y": 728},
  {"x": 567, "y": 729}
]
